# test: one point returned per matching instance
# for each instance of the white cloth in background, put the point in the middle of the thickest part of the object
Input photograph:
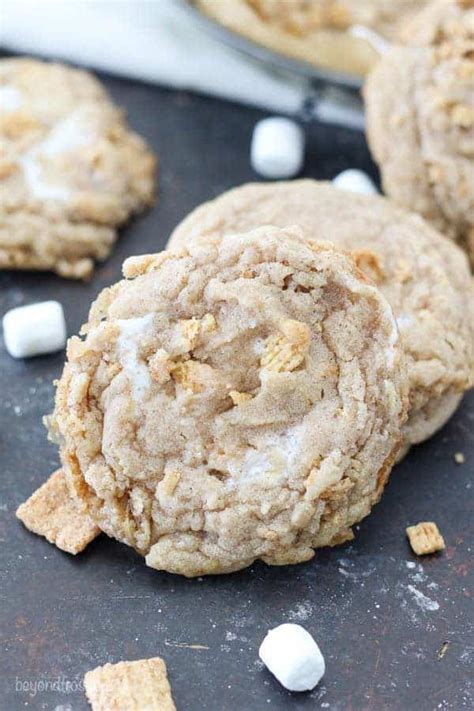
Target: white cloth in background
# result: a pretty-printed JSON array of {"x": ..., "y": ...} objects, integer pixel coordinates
[{"x": 153, "y": 40}]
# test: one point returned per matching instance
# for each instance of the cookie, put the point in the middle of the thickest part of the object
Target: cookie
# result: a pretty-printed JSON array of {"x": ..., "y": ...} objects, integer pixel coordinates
[
  {"x": 233, "y": 401},
  {"x": 424, "y": 277},
  {"x": 420, "y": 121},
  {"x": 437, "y": 22},
  {"x": 71, "y": 171},
  {"x": 313, "y": 31}
]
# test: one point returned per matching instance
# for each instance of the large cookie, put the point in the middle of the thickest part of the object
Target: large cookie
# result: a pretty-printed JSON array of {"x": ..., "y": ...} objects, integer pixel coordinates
[
  {"x": 71, "y": 171},
  {"x": 424, "y": 277},
  {"x": 420, "y": 119},
  {"x": 237, "y": 400}
]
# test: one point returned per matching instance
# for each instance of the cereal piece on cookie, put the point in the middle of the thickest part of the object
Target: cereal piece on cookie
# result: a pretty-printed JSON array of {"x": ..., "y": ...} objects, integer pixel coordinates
[
  {"x": 130, "y": 686},
  {"x": 240, "y": 398},
  {"x": 286, "y": 351},
  {"x": 425, "y": 538},
  {"x": 273, "y": 436},
  {"x": 53, "y": 513},
  {"x": 71, "y": 170}
]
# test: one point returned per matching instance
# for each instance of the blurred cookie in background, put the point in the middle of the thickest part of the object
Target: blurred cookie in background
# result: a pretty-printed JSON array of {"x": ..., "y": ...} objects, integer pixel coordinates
[
  {"x": 420, "y": 119},
  {"x": 439, "y": 21},
  {"x": 71, "y": 170},
  {"x": 314, "y": 31}
]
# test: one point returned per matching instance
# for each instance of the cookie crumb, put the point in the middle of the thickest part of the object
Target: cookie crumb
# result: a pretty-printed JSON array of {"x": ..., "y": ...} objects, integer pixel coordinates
[
  {"x": 52, "y": 512},
  {"x": 459, "y": 458},
  {"x": 443, "y": 649},
  {"x": 425, "y": 538},
  {"x": 130, "y": 686}
]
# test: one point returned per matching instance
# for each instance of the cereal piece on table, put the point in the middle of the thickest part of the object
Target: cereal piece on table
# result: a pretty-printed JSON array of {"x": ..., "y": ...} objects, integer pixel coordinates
[
  {"x": 292, "y": 655},
  {"x": 425, "y": 538},
  {"x": 355, "y": 181},
  {"x": 277, "y": 149},
  {"x": 53, "y": 513},
  {"x": 130, "y": 686},
  {"x": 35, "y": 329},
  {"x": 459, "y": 458}
]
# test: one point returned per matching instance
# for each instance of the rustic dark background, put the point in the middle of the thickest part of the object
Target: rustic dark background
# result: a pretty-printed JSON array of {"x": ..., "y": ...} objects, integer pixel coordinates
[{"x": 396, "y": 631}]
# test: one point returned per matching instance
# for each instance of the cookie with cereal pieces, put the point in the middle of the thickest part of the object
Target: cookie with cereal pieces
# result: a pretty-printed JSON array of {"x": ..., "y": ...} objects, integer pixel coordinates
[
  {"x": 71, "y": 170},
  {"x": 424, "y": 276},
  {"x": 233, "y": 401},
  {"x": 420, "y": 118}
]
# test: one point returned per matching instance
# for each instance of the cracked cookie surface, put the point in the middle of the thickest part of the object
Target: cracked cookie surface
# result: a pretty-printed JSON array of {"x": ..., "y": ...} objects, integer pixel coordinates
[
  {"x": 71, "y": 171},
  {"x": 233, "y": 401},
  {"x": 420, "y": 119},
  {"x": 423, "y": 275}
]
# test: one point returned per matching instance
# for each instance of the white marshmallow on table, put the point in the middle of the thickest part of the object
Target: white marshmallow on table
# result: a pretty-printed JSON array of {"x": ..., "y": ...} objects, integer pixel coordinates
[
  {"x": 35, "y": 329},
  {"x": 355, "y": 181},
  {"x": 292, "y": 655},
  {"x": 277, "y": 149}
]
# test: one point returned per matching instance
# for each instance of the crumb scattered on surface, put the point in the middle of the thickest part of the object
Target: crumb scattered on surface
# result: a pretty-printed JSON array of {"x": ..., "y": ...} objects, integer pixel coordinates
[
  {"x": 443, "y": 649},
  {"x": 185, "y": 645},
  {"x": 459, "y": 458},
  {"x": 422, "y": 600}
]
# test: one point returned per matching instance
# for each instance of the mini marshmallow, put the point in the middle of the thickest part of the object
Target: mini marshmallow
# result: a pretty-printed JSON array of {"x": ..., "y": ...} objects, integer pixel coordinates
[
  {"x": 292, "y": 655},
  {"x": 34, "y": 329},
  {"x": 355, "y": 181},
  {"x": 277, "y": 148},
  {"x": 10, "y": 98}
]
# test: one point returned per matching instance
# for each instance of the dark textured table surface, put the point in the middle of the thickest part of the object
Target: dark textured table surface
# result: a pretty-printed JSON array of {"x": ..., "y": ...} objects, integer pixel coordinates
[{"x": 396, "y": 631}]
